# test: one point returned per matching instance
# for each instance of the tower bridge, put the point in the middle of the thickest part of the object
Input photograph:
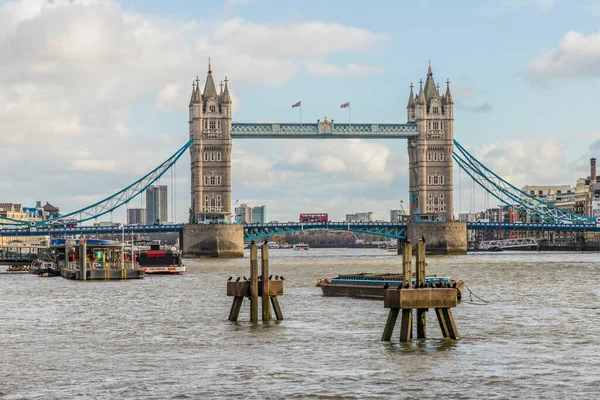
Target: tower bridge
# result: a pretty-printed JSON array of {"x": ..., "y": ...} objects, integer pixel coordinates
[
  {"x": 432, "y": 149},
  {"x": 429, "y": 131}
]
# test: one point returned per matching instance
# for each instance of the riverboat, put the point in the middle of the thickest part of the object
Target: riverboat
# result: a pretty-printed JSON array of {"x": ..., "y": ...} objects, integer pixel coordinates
[
  {"x": 17, "y": 268},
  {"x": 370, "y": 286},
  {"x": 45, "y": 269},
  {"x": 157, "y": 261},
  {"x": 301, "y": 246}
]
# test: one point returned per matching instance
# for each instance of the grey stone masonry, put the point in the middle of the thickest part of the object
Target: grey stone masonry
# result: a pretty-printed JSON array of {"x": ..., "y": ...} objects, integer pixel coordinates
[
  {"x": 430, "y": 154},
  {"x": 210, "y": 127}
]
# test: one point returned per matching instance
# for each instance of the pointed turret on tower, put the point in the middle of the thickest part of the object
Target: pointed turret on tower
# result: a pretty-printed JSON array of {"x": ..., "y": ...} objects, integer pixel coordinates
[
  {"x": 209, "y": 88},
  {"x": 410, "y": 107},
  {"x": 226, "y": 96},
  {"x": 430, "y": 91},
  {"x": 448, "y": 95}
]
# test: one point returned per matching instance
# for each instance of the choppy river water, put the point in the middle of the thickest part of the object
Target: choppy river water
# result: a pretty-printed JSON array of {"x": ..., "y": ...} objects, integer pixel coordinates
[{"x": 167, "y": 337}]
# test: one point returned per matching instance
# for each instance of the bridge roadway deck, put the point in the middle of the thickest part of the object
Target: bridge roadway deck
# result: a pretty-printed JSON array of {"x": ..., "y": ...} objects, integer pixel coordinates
[{"x": 393, "y": 229}]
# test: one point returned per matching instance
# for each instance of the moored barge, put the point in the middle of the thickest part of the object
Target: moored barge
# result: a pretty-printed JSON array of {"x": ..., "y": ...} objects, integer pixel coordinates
[
  {"x": 371, "y": 286},
  {"x": 160, "y": 261}
]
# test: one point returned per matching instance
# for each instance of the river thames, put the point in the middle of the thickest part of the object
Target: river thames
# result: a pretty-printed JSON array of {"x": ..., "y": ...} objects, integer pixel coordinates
[{"x": 167, "y": 337}]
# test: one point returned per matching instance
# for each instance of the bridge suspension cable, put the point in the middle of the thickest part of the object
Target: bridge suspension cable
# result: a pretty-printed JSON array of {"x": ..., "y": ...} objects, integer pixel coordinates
[
  {"x": 509, "y": 194},
  {"x": 116, "y": 200}
]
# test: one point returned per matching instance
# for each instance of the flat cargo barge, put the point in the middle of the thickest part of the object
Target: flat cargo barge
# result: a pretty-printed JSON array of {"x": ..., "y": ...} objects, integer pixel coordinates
[{"x": 371, "y": 286}]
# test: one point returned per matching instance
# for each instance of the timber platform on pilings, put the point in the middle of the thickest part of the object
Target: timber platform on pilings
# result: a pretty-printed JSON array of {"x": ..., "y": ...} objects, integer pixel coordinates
[
  {"x": 258, "y": 286},
  {"x": 409, "y": 296}
]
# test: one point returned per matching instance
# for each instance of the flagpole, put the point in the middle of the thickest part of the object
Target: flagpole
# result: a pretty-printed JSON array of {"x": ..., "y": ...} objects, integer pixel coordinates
[
  {"x": 300, "y": 113},
  {"x": 349, "y": 120}
]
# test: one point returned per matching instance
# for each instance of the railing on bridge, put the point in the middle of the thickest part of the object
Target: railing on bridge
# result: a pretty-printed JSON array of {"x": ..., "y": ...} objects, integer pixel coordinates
[
  {"x": 388, "y": 229},
  {"x": 517, "y": 226},
  {"x": 323, "y": 131},
  {"x": 91, "y": 230},
  {"x": 507, "y": 243}
]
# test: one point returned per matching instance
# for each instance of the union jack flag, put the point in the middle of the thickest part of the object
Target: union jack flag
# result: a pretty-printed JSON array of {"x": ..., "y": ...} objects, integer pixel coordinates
[
  {"x": 297, "y": 104},
  {"x": 345, "y": 105}
]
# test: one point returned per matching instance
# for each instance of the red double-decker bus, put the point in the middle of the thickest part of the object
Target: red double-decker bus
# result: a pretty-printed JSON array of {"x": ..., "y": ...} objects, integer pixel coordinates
[{"x": 314, "y": 217}]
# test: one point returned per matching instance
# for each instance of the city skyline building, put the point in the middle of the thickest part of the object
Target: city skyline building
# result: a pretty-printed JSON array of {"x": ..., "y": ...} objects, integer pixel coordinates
[
  {"x": 136, "y": 216},
  {"x": 399, "y": 216},
  {"x": 243, "y": 214},
  {"x": 156, "y": 204},
  {"x": 259, "y": 214},
  {"x": 360, "y": 217}
]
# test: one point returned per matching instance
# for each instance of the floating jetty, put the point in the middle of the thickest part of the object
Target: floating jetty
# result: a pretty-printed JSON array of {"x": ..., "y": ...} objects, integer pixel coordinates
[
  {"x": 83, "y": 259},
  {"x": 371, "y": 286}
]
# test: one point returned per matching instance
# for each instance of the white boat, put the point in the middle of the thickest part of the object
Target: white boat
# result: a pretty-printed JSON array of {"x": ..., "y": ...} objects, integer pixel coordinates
[
  {"x": 301, "y": 246},
  {"x": 273, "y": 245}
]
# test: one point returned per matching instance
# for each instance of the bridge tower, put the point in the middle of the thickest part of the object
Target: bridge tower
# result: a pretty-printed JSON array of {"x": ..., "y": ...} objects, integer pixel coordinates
[
  {"x": 430, "y": 154},
  {"x": 430, "y": 170},
  {"x": 210, "y": 127},
  {"x": 209, "y": 232}
]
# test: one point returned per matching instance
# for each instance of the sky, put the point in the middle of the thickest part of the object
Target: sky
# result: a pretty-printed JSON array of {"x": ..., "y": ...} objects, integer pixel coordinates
[{"x": 94, "y": 94}]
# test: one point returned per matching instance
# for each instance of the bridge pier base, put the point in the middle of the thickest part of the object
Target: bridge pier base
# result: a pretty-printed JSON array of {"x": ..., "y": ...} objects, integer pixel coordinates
[
  {"x": 212, "y": 240},
  {"x": 441, "y": 237}
]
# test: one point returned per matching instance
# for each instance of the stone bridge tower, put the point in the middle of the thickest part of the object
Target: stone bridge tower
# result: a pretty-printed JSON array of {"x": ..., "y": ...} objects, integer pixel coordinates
[
  {"x": 210, "y": 127},
  {"x": 430, "y": 154}
]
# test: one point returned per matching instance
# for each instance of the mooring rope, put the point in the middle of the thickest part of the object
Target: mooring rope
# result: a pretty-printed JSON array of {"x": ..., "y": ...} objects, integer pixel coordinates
[{"x": 471, "y": 295}]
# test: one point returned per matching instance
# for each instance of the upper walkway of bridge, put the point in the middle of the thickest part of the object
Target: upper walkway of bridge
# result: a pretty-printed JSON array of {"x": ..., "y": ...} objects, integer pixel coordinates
[{"x": 322, "y": 131}]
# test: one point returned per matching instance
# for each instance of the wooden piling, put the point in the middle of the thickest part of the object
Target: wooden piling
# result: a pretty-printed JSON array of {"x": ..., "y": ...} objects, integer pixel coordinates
[
  {"x": 452, "y": 331},
  {"x": 420, "y": 280},
  {"x": 407, "y": 265},
  {"x": 235, "y": 308},
  {"x": 254, "y": 283},
  {"x": 268, "y": 290},
  {"x": 264, "y": 258},
  {"x": 418, "y": 297},
  {"x": 390, "y": 324},
  {"x": 406, "y": 321},
  {"x": 276, "y": 308}
]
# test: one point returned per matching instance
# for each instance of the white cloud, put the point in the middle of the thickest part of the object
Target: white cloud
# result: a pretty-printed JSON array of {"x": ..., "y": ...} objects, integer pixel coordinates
[
  {"x": 78, "y": 79},
  {"x": 576, "y": 55},
  {"x": 306, "y": 38},
  {"x": 513, "y": 161},
  {"x": 94, "y": 165},
  {"x": 170, "y": 97}
]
